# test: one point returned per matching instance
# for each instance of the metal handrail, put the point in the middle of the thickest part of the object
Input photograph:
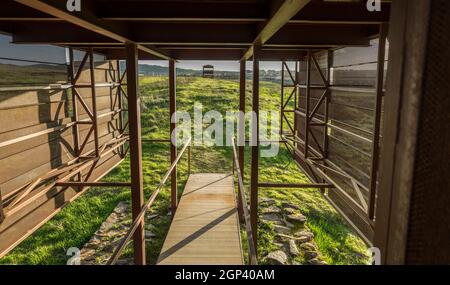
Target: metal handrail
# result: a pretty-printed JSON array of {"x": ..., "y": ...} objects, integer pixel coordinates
[
  {"x": 252, "y": 260},
  {"x": 115, "y": 256}
]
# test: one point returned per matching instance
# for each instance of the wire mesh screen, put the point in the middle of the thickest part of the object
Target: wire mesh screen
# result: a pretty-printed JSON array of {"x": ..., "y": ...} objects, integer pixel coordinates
[
  {"x": 339, "y": 100},
  {"x": 352, "y": 115},
  {"x": 429, "y": 230}
]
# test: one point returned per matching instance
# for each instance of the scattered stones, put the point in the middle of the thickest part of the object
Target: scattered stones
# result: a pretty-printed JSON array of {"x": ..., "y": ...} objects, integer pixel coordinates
[
  {"x": 121, "y": 208},
  {"x": 152, "y": 216},
  {"x": 102, "y": 235},
  {"x": 271, "y": 218},
  {"x": 95, "y": 239},
  {"x": 279, "y": 245},
  {"x": 281, "y": 229},
  {"x": 316, "y": 261},
  {"x": 98, "y": 249},
  {"x": 267, "y": 201},
  {"x": 303, "y": 239},
  {"x": 271, "y": 210},
  {"x": 288, "y": 224},
  {"x": 149, "y": 235},
  {"x": 285, "y": 237},
  {"x": 293, "y": 250},
  {"x": 293, "y": 237},
  {"x": 114, "y": 243},
  {"x": 277, "y": 258},
  {"x": 297, "y": 218},
  {"x": 105, "y": 226},
  {"x": 308, "y": 235},
  {"x": 126, "y": 261},
  {"x": 150, "y": 227},
  {"x": 307, "y": 246},
  {"x": 288, "y": 237},
  {"x": 310, "y": 255},
  {"x": 290, "y": 210},
  {"x": 289, "y": 205},
  {"x": 280, "y": 223}
]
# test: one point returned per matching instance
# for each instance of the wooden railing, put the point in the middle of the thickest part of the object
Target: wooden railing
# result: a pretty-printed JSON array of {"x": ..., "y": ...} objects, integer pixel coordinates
[
  {"x": 147, "y": 205},
  {"x": 243, "y": 209}
]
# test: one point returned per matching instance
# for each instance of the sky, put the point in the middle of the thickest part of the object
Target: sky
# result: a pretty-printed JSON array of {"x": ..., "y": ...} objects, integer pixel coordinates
[{"x": 218, "y": 65}]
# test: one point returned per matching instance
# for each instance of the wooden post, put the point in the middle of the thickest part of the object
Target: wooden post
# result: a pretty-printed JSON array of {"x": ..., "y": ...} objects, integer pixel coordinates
[
  {"x": 120, "y": 102},
  {"x": 134, "y": 119},
  {"x": 173, "y": 147},
  {"x": 241, "y": 134},
  {"x": 308, "y": 93},
  {"x": 282, "y": 99},
  {"x": 94, "y": 101},
  {"x": 255, "y": 148},
  {"x": 377, "y": 126},
  {"x": 71, "y": 68}
]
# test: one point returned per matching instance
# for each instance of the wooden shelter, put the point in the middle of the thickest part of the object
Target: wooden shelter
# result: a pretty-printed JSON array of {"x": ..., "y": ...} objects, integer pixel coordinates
[
  {"x": 396, "y": 201},
  {"x": 208, "y": 71}
]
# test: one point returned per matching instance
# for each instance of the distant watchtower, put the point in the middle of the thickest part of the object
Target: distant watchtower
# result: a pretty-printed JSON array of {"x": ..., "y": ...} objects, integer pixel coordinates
[{"x": 208, "y": 71}]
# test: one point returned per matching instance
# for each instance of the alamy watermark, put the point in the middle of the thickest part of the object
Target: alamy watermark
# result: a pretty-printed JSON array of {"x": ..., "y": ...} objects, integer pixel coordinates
[
  {"x": 374, "y": 5},
  {"x": 75, "y": 258},
  {"x": 212, "y": 128},
  {"x": 73, "y": 5},
  {"x": 375, "y": 255}
]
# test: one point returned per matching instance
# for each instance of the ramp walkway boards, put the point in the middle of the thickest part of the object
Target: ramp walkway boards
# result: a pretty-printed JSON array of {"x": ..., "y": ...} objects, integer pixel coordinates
[{"x": 205, "y": 228}]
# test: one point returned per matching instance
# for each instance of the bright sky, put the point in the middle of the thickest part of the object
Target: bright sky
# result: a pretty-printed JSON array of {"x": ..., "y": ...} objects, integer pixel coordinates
[{"x": 218, "y": 65}]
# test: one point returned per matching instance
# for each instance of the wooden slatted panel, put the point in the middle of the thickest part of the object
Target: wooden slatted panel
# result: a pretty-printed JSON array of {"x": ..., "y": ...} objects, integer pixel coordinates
[
  {"x": 35, "y": 119},
  {"x": 205, "y": 228}
]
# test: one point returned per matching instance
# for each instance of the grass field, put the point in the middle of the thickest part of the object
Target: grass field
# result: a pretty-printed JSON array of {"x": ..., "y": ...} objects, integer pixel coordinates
[{"x": 75, "y": 224}]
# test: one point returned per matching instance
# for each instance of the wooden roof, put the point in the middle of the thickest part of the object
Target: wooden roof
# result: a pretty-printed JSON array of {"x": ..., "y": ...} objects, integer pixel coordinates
[{"x": 195, "y": 29}]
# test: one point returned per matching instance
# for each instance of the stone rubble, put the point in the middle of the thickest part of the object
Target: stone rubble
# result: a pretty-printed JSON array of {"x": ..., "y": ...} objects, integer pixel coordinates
[
  {"x": 296, "y": 218},
  {"x": 278, "y": 257},
  {"x": 271, "y": 210},
  {"x": 149, "y": 235},
  {"x": 281, "y": 229},
  {"x": 293, "y": 239},
  {"x": 293, "y": 250},
  {"x": 98, "y": 249}
]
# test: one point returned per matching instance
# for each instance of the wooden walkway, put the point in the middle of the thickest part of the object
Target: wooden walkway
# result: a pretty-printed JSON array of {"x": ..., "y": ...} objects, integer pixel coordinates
[{"x": 205, "y": 228}]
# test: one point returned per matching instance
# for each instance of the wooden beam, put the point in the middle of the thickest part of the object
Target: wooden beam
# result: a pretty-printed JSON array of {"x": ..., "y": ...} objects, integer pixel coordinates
[
  {"x": 285, "y": 12},
  {"x": 134, "y": 122},
  {"x": 339, "y": 12},
  {"x": 241, "y": 134},
  {"x": 317, "y": 12},
  {"x": 378, "y": 116},
  {"x": 205, "y": 53},
  {"x": 223, "y": 11},
  {"x": 87, "y": 20},
  {"x": 241, "y": 131},
  {"x": 173, "y": 147},
  {"x": 93, "y": 184},
  {"x": 292, "y": 185},
  {"x": 177, "y": 36},
  {"x": 255, "y": 148}
]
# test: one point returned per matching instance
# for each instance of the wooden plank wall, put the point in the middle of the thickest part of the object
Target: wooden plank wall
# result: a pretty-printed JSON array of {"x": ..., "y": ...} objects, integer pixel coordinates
[
  {"x": 41, "y": 115},
  {"x": 351, "y": 110}
]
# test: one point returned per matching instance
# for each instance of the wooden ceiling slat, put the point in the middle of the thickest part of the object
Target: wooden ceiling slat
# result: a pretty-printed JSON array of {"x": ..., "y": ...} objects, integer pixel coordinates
[
  {"x": 87, "y": 20},
  {"x": 184, "y": 29},
  {"x": 281, "y": 17}
]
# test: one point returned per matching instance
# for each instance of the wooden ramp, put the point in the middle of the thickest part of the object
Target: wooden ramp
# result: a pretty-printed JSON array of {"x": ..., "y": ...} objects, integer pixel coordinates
[{"x": 205, "y": 228}]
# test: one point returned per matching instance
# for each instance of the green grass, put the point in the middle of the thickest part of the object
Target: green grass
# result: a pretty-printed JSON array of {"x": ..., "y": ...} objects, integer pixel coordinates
[{"x": 76, "y": 223}]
